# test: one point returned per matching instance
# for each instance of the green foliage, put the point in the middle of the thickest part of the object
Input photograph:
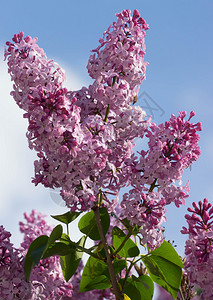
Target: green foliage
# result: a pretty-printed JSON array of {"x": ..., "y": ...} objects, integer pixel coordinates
[
  {"x": 87, "y": 224},
  {"x": 70, "y": 262},
  {"x": 167, "y": 251},
  {"x": 163, "y": 264},
  {"x": 55, "y": 235},
  {"x": 39, "y": 248},
  {"x": 165, "y": 267},
  {"x": 96, "y": 273},
  {"x": 67, "y": 217},
  {"x": 138, "y": 288},
  {"x": 129, "y": 249},
  {"x": 58, "y": 248}
]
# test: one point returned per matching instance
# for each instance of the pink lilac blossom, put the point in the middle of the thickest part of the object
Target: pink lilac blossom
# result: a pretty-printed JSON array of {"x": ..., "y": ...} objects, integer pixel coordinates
[
  {"x": 81, "y": 145},
  {"x": 30, "y": 68},
  {"x": 46, "y": 281},
  {"x": 148, "y": 212},
  {"x": 199, "y": 247},
  {"x": 117, "y": 64},
  {"x": 173, "y": 146},
  {"x": 48, "y": 273},
  {"x": 12, "y": 278}
]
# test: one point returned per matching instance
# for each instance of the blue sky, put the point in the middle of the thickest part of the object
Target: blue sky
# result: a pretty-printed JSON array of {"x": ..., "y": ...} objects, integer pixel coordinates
[{"x": 179, "y": 77}]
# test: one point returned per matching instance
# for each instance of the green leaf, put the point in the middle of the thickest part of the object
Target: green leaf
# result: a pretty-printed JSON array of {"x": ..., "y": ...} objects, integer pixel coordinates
[
  {"x": 148, "y": 286},
  {"x": 165, "y": 273},
  {"x": 39, "y": 243},
  {"x": 93, "y": 270},
  {"x": 119, "y": 265},
  {"x": 67, "y": 217},
  {"x": 129, "y": 249},
  {"x": 165, "y": 267},
  {"x": 58, "y": 248},
  {"x": 87, "y": 224},
  {"x": 70, "y": 262},
  {"x": 139, "y": 288},
  {"x": 36, "y": 254},
  {"x": 96, "y": 273},
  {"x": 99, "y": 283},
  {"x": 55, "y": 235},
  {"x": 38, "y": 248},
  {"x": 167, "y": 251}
]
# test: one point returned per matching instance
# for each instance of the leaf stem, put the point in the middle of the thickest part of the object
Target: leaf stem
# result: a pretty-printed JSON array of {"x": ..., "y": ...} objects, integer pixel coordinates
[
  {"x": 84, "y": 250},
  {"x": 67, "y": 229},
  {"x": 123, "y": 243},
  {"x": 115, "y": 287},
  {"x": 127, "y": 272},
  {"x": 181, "y": 293},
  {"x": 153, "y": 185},
  {"x": 107, "y": 113}
]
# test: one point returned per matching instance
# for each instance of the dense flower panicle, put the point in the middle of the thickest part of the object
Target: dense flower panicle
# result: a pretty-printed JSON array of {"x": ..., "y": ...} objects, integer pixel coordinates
[
  {"x": 173, "y": 146},
  {"x": 54, "y": 128},
  {"x": 12, "y": 278},
  {"x": 112, "y": 90},
  {"x": 53, "y": 122},
  {"x": 6, "y": 248},
  {"x": 81, "y": 142},
  {"x": 35, "y": 226},
  {"x": 117, "y": 64},
  {"x": 30, "y": 68},
  {"x": 46, "y": 279},
  {"x": 199, "y": 246},
  {"x": 48, "y": 273},
  {"x": 147, "y": 211}
]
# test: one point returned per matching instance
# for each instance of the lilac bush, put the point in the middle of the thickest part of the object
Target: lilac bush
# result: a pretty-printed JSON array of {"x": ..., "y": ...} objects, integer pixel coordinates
[{"x": 84, "y": 142}]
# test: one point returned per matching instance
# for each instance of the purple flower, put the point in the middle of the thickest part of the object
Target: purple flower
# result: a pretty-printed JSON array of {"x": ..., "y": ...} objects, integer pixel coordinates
[{"x": 199, "y": 246}]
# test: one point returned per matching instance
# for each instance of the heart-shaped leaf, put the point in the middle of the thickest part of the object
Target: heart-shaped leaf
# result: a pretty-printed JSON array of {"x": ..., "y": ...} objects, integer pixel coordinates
[{"x": 88, "y": 226}]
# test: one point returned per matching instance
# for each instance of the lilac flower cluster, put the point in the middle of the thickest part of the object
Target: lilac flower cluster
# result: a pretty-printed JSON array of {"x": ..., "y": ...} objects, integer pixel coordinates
[
  {"x": 117, "y": 64},
  {"x": 173, "y": 146},
  {"x": 199, "y": 247},
  {"x": 46, "y": 281},
  {"x": 48, "y": 273},
  {"x": 12, "y": 279},
  {"x": 83, "y": 138}
]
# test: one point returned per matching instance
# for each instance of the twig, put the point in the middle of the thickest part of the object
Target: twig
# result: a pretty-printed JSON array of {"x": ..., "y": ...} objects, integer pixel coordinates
[
  {"x": 115, "y": 287},
  {"x": 82, "y": 249}
]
